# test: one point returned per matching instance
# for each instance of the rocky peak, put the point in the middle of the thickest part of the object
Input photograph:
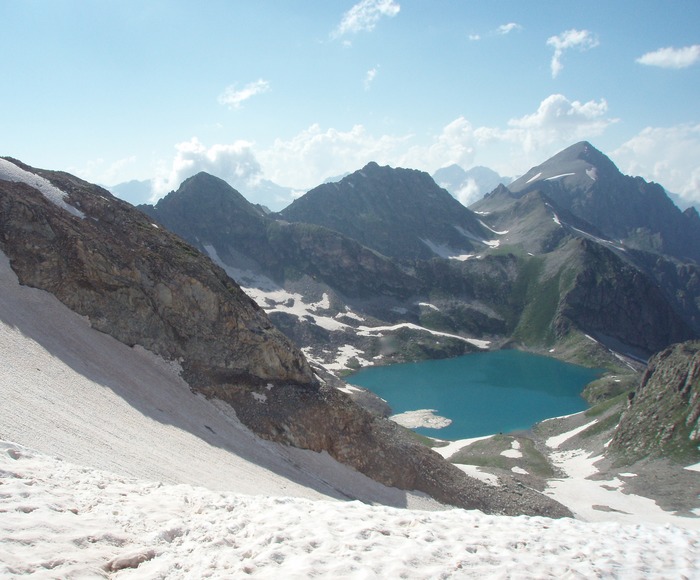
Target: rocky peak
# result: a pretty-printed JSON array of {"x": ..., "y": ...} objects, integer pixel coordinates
[
  {"x": 583, "y": 181},
  {"x": 401, "y": 213}
]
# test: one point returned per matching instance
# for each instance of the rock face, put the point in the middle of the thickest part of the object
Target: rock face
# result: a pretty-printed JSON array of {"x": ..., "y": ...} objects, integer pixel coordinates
[
  {"x": 611, "y": 298},
  {"x": 401, "y": 213},
  {"x": 143, "y": 285},
  {"x": 662, "y": 416}
]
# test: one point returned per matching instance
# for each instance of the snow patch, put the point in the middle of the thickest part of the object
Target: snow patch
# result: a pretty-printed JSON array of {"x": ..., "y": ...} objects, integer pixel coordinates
[
  {"x": 492, "y": 230},
  {"x": 446, "y": 252},
  {"x": 260, "y": 397},
  {"x": 82, "y": 519},
  {"x": 556, "y": 441},
  {"x": 476, "y": 473},
  {"x": 421, "y": 418},
  {"x": 514, "y": 451},
  {"x": 11, "y": 172},
  {"x": 559, "y": 176},
  {"x": 534, "y": 178},
  {"x": 377, "y": 330}
]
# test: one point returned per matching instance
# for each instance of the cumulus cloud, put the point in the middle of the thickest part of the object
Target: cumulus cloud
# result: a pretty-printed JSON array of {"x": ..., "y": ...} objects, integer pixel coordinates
[
  {"x": 314, "y": 154},
  {"x": 364, "y": 16},
  {"x": 672, "y": 57},
  {"x": 308, "y": 158},
  {"x": 570, "y": 39},
  {"x": 668, "y": 155},
  {"x": 508, "y": 28},
  {"x": 235, "y": 163},
  {"x": 468, "y": 193},
  {"x": 520, "y": 144},
  {"x": 455, "y": 144},
  {"x": 233, "y": 97}
]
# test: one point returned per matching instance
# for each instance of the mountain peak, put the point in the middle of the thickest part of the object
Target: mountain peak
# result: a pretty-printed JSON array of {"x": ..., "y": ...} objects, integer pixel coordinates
[
  {"x": 580, "y": 163},
  {"x": 401, "y": 213}
]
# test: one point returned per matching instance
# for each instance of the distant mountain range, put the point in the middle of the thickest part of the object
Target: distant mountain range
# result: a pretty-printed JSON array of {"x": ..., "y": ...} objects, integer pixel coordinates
[
  {"x": 471, "y": 185},
  {"x": 564, "y": 253},
  {"x": 465, "y": 186}
]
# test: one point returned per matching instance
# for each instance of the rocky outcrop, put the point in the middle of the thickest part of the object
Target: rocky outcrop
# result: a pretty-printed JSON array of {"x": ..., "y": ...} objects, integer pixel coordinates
[
  {"x": 327, "y": 420},
  {"x": 611, "y": 298},
  {"x": 662, "y": 415},
  {"x": 143, "y": 285}
]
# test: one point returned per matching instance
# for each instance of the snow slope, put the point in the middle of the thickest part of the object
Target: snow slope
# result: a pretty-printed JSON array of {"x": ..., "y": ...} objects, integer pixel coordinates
[{"x": 64, "y": 521}]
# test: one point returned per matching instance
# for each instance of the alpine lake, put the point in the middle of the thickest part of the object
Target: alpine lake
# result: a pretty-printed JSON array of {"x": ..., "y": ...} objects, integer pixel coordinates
[{"x": 481, "y": 393}]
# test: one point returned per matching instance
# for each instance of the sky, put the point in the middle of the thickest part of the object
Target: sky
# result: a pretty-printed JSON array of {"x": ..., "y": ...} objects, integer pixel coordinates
[{"x": 298, "y": 92}]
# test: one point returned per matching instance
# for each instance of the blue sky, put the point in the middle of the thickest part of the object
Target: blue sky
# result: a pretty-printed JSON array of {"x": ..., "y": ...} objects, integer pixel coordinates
[{"x": 298, "y": 91}]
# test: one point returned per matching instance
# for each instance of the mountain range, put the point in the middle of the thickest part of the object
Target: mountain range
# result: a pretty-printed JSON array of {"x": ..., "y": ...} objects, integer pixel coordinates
[{"x": 572, "y": 249}]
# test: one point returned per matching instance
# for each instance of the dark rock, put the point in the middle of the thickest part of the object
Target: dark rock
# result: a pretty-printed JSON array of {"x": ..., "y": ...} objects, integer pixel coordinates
[{"x": 662, "y": 416}]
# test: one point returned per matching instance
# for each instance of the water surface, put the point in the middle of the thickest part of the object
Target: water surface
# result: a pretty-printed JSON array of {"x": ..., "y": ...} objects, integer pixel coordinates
[{"x": 482, "y": 393}]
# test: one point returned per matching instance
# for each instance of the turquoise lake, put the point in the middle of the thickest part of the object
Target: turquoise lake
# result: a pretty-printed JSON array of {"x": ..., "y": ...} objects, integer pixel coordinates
[{"x": 482, "y": 393}]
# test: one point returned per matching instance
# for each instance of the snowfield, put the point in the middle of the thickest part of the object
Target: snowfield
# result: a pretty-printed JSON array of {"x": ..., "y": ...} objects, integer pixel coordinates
[
  {"x": 64, "y": 521},
  {"x": 111, "y": 468}
]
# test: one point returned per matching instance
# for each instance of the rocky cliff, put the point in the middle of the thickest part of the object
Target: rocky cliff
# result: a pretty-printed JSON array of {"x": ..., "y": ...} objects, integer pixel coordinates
[
  {"x": 144, "y": 285},
  {"x": 662, "y": 415}
]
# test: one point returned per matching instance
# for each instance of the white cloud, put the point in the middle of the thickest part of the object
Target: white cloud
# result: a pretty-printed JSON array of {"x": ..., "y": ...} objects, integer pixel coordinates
[
  {"x": 234, "y": 98},
  {"x": 235, "y": 163},
  {"x": 502, "y": 30},
  {"x": 454, "y": 145},
  {"x": 508, "y": 28},
  {"x": 579, "y": 39},
  {"x": 311, "y": 156},
  {"x": 672, "y": 57},
  {"x": 370, "y": 76},
  {"x": 314, "y": 154},
  {"x": 364, "y": 16},
  {"x": 105, "y": 173},
  {"x": 468, "y": 193},
  {"x": 668, "y": 155},
  {"x": 514, "y": 148}
]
